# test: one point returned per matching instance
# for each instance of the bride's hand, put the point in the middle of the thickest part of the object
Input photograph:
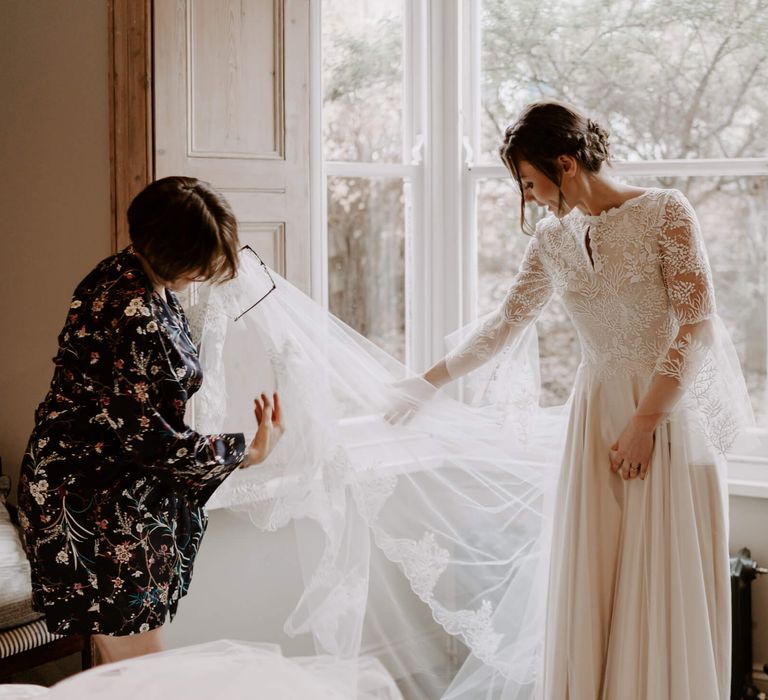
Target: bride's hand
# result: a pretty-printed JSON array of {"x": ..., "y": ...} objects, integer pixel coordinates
[
  {"x": 631, "y": 453},
  {"x": 408, "y": 396},
  {"x": 270, "y": 421}
]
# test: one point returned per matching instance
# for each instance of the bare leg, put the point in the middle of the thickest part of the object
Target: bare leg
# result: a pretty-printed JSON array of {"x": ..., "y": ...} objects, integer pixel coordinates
[{"x": 126, "y": 647}]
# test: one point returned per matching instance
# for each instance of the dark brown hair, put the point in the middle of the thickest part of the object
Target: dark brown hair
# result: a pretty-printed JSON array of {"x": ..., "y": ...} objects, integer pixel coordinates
[
  {"x": 546, "y": 130},
  {"x": 181, "y": 225}
]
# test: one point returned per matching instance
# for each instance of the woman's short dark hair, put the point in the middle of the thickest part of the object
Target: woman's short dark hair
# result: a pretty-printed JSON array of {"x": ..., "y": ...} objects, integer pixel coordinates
[
  {"x": 546, "y": 130},
  {"x": 181, "y": 225}
]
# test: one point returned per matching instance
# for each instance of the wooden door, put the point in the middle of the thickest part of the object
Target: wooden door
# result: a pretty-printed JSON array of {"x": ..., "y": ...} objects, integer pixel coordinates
[{"x": 231, "y": 107}]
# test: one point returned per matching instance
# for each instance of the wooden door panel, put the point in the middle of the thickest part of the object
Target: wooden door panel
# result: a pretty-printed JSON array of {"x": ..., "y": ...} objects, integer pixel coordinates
[
  {"x": 232, "y": 108},
  {"x": 235, "y": 78}
]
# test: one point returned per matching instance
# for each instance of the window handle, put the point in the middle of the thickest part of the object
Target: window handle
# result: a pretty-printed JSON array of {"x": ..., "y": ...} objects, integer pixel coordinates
[
  {"x": 469, "y": 154},
  {"x": 417, "y": 152}
]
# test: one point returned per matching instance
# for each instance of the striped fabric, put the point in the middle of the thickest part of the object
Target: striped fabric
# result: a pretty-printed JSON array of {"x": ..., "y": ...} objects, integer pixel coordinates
[{"x": 25, "y": 637}]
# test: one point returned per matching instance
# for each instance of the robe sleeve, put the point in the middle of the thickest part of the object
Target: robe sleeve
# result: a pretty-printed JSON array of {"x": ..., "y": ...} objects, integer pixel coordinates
[{"x": 144, "y": 405}]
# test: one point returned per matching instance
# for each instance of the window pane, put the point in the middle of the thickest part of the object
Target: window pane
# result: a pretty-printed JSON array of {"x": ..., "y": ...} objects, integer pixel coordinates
[
  {"x": 362, "y": 47},
  {"x": 500, "y": 247},
  {"x": 669, "y": 78},
  {"x": 366, "y": 258}
]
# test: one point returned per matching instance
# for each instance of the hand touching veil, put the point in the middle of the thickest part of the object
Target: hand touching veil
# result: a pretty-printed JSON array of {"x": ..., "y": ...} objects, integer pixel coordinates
[{"x": 479, "y": 345}]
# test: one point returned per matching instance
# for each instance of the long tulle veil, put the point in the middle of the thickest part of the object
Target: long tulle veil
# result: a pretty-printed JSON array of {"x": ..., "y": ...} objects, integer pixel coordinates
[
  {"x": 433, "y": 530},
  {"x": 436, "y": 532}
]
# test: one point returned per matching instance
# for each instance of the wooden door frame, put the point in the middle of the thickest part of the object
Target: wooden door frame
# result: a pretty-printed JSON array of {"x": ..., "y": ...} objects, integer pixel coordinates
[{"x": 130, "y": 108}]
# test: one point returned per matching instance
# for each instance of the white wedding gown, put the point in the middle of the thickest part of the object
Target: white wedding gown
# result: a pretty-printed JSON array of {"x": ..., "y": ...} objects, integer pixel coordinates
[
  {"x": 639, "y": 594},
  {"x": 563, "y": 582}
]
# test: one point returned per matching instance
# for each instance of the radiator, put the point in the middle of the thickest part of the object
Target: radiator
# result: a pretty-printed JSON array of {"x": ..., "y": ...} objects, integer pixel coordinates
[{"x": 744, "y": 570}]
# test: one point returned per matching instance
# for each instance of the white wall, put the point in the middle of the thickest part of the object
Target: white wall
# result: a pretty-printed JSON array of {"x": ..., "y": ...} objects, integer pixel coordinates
[
  {"x": 54, "y": 189},
  {"x": 54, "y": 200},
  {"x": 244, "y": 586}
]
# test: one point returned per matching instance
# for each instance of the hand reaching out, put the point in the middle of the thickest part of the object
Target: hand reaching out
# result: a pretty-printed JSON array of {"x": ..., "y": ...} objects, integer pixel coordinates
[
  {"x": 270, "y": 429},
  {"x": 409, "y": 394}
]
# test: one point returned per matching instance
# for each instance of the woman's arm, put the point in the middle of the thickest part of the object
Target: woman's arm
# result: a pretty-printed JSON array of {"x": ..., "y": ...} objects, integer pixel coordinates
[
  {"x": 530, "y": 291},
  {"x": 144, "y": 402},
  {"x": 688, "y": 280}
]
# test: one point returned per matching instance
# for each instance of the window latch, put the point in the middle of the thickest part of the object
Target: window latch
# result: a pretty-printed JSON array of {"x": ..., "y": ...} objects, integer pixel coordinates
[
  {"x": 469, "y": 154},
  {"x": 417, "y": 152}
]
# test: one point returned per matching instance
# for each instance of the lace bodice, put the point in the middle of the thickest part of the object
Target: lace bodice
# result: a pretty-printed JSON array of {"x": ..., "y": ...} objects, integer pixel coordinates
[{"x": 646, "y": 279}]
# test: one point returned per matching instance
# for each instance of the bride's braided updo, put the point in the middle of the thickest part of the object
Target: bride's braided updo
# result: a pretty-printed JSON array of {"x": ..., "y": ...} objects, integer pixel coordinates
[{"x": 546, "y": 130}]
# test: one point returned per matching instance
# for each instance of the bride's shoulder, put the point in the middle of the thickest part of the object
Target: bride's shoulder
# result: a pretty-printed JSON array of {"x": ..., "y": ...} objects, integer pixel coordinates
[
  {"x": 674, "y": 209},
  {"x": 546, "y": 228},
  {"x": 666, "y": 197}
]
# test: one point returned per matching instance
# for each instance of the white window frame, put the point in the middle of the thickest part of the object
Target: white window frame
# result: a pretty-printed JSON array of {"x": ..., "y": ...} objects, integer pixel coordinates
[
  {"x": 411, "y": 169},
  {"x": 441, "y": 135}
]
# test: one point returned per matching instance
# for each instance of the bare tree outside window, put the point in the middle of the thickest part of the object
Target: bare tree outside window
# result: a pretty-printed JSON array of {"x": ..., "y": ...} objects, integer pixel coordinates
[
  {"x": 671, "y": 78},
  {"x": 366, "y": 275},
  {"x": 363, "y": 123}
]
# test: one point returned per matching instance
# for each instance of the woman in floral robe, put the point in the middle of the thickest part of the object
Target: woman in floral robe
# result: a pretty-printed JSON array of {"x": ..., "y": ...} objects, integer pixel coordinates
[{"x": 113, "y": 482}]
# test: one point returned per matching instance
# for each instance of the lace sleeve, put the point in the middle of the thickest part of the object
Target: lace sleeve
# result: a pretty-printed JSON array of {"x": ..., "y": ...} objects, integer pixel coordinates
[
  {"x": 684, "y": 263},
  {"x": 688, "y": 280},
  {"x": 530, "y": 291},
  {"x": 699, "y": 373}
]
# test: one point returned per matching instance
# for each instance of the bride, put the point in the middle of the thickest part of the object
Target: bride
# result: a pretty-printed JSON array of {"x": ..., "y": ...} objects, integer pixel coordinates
[
  {"x": 576, "y": 555},
  {"x": 638, "y": 602}
]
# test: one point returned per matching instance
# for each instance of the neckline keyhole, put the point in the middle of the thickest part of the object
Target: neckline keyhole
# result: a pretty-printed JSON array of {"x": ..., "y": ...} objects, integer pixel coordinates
[{"x": 588, "y": 247}]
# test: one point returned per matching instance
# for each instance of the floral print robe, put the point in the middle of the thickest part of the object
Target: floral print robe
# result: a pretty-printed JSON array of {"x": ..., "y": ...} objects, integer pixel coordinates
[{"x": 113, "y": 482}]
